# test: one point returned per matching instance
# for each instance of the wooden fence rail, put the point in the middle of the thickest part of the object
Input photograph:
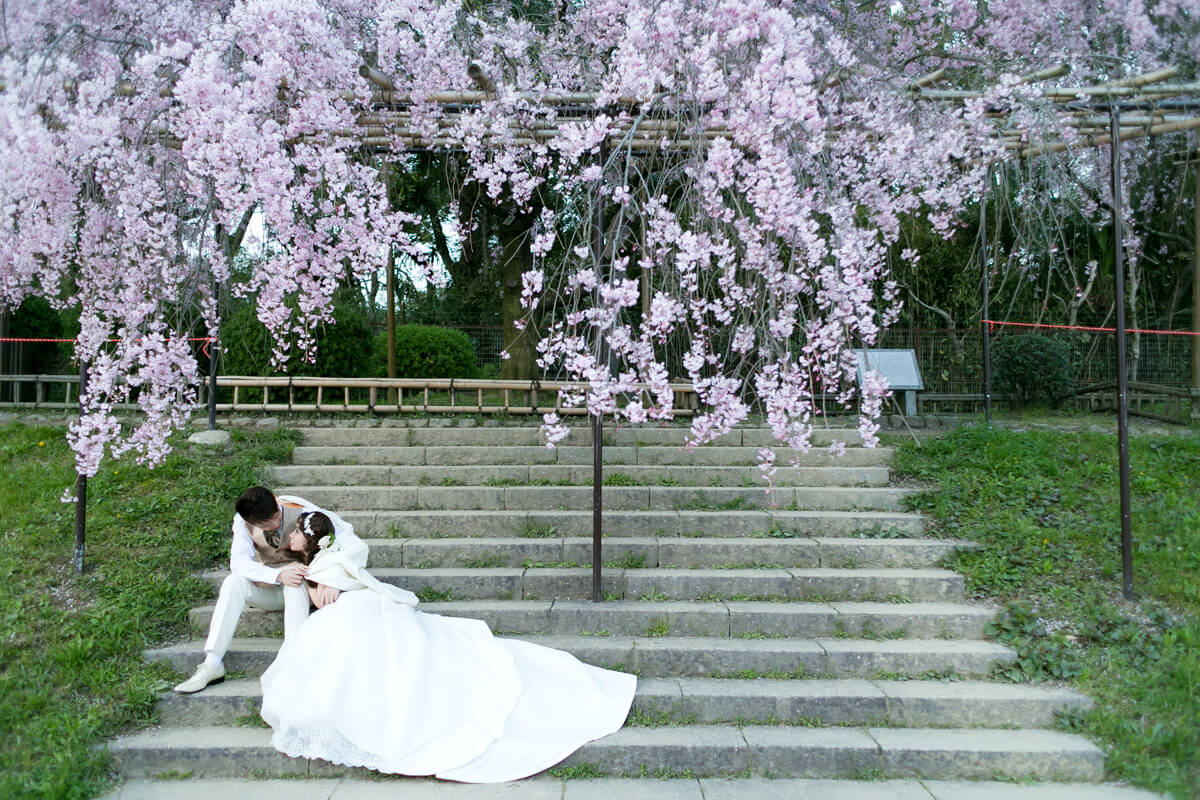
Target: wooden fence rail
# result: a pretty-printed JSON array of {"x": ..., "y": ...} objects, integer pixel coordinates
[
  {"x": 355, "y": 395},
  {"x": 467, "y": 396}
]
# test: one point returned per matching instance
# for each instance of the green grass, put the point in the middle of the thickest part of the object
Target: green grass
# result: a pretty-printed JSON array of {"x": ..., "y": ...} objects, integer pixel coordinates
[
  {"x": 494, "y": 561},
  {"x": 582, "y": 771},
  {"x": 1046, "y": 507},
  {"x": 658, "y": 718},
  {"x": 628, "y": 561},
  {"x": 531, "y": 530},
  {"x": 428, "y": 594},
  {"x": 71, "y": 669}
]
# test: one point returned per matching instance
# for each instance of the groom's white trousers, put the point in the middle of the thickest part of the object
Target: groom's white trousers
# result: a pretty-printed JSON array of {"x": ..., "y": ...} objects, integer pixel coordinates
[{"x": 236, "y": 593}]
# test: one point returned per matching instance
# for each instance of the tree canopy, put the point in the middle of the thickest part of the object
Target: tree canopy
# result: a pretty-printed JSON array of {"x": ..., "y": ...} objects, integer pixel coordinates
[{"x": 722, "y": 180}]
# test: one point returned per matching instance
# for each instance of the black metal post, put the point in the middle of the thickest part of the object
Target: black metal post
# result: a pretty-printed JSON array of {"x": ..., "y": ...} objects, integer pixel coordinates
[
  {"x": 598, "y": 425},
  {"x": 987, "y": 326},
  {"x": 1122, "y": 399},
  {"x": 212, "y": 383},
  {"x": 80, "y": 488},
  {"x": 597, "y": 504}
]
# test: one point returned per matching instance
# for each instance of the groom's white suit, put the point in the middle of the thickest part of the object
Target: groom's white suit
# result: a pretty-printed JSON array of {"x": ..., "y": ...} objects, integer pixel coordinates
[{"x": 254, "y": 566}]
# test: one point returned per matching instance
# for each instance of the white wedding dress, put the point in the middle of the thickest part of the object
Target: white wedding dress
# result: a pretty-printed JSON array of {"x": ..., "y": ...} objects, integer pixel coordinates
[{"x": 371, "y": 681}]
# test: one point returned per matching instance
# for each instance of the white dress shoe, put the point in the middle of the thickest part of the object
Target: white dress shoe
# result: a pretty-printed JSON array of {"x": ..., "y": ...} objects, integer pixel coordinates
[{"x": 203, "y": 676}]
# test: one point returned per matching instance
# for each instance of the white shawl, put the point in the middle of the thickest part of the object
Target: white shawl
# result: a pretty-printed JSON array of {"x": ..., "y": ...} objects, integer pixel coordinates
[{"x": 333, "y": 567}]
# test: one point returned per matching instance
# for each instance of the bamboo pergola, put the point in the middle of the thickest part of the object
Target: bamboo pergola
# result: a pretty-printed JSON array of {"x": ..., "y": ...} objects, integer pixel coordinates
[
  {"x": 1157, "y": 105},
  {"x": 1161, "y": 107}
]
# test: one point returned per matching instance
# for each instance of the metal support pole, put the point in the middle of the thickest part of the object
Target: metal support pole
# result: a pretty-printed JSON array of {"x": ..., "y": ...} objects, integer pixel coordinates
[
  {"x": 212, "y": 383},
  {"x": 1196, "y": 295},
  {"x": 80, "y": 489},
  {"x": 598, "y": 426},
  {"x": 1122, "y": 399},
  {"x": 393, "y": 394},
  {"x": 987, "y": 326},
  {"x": 597, "y": 504}
]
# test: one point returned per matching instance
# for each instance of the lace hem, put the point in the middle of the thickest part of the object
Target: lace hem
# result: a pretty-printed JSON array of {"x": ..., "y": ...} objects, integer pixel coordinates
[{"x": 331, "y": 746}]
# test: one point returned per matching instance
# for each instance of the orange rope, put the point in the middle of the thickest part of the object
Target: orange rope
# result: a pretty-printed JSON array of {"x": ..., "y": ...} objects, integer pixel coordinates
[{"x": 993, "y": 323}]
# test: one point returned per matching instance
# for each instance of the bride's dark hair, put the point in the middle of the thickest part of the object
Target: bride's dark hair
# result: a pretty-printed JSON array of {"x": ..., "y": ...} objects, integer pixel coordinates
[{"x": 313, "y": 525}]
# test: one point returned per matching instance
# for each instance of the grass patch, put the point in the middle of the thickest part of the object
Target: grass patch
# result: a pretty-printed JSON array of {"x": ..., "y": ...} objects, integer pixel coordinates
[
  {"x": 1045, "y": 505},
  {"x": 658, "y": 629},
  {"x": 757, "y": 635},
  {"x": 630, "y": 560},
  {"x": 71, "y": 669},
  {"x": 578, "y": 771},
  {"x": 799, "y": 673},
  {"x": 620, "y": 479},
  {"x": 504, "y": 482},
  {"x": 531, "y": 530},
  {"x": 655, "y": 718},
  {"x": 428, "y": 594},
  {"x": 530, "y": 563},
  {"x": 494, "y": 561}
]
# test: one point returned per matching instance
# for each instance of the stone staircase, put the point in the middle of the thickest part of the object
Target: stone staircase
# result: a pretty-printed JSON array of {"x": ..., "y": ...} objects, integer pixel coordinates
[{"x": 810, "y": 634}]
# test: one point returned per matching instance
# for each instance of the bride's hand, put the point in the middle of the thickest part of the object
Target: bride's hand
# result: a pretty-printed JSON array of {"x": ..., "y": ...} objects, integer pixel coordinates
[{"x": 323, "y": 595}]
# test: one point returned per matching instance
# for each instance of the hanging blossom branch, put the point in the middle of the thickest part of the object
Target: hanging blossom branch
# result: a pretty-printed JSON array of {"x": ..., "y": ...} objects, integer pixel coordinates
[
  {"x": 134, "y": 142},
  {"x": 760, "y": 224},
  {"x": 743, "y": 164}
]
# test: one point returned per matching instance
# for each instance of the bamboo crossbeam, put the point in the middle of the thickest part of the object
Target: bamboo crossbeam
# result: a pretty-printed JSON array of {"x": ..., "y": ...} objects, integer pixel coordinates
[
  {"x": 1164, "y": 89},
  {"x": 1057, "y": 71},
  {"x": 376, "y": 77},
  {"x": 401, "y": 120},
  {"x": 1124, "y": 134},
  {"x": 926, "y": 80},
  {"x": 1146, "y": 78},
  {"x": 474, "y": 98},
  {"x": 1067, "y": 94}
]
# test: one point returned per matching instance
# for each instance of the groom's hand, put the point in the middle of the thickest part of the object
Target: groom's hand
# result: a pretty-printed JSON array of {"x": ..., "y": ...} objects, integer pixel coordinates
[
  {"x": 292, "y": 575},
  {"x": 324, "y": 595}
]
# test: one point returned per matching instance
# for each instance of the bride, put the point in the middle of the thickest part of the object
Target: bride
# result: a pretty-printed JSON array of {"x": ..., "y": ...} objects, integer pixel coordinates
[{"x": 370, "y": 681}]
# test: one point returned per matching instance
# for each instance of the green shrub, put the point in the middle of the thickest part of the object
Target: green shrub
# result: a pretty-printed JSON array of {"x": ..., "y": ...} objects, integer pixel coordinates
[
  {"x": 1032, "y": 370},
  {"x": 35, "y": 319},
  {"x": 423, "y": 351},
  {"x": 343, "y": 349}
]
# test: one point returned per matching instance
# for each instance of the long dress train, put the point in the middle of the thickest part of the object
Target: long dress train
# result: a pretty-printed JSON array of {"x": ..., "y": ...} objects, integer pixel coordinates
[{"x": 371, "y": 681}]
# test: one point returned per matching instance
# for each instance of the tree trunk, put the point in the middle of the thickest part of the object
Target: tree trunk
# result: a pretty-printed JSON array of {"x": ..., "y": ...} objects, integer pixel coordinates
[{"x": 515, "y": 260}]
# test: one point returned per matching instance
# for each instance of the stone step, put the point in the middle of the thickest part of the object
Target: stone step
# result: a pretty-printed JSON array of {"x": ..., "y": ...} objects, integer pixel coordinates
[
  {"x": 531, "y": 435},
  {"x": 740, "y": 620},
  {"x": 665, "y": 551},
  {"x": 617, "y": 523},
  {"x": 700, "y": 750},
  {"x": 661, "y": 701},
  {"x": 568, "y": 474},
  {"x": 616, "y": 498},
  {"x": 575, "y": 583},
  {"x": 553, "y": 788},
  {"x": 700, "y": 656},
  {"x": 463, "y": 455}
]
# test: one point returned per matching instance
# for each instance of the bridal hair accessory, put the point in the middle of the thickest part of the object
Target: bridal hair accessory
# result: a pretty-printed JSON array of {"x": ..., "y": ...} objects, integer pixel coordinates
[{"x": 306, "y": 528}]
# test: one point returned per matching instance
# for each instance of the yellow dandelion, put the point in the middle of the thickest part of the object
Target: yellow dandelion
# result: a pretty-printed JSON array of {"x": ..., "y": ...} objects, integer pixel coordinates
[{"x": 41, "y": 444}]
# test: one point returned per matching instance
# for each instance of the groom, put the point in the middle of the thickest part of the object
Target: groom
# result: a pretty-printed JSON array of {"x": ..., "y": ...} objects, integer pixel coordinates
[{"x": 261, "y": 576}]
